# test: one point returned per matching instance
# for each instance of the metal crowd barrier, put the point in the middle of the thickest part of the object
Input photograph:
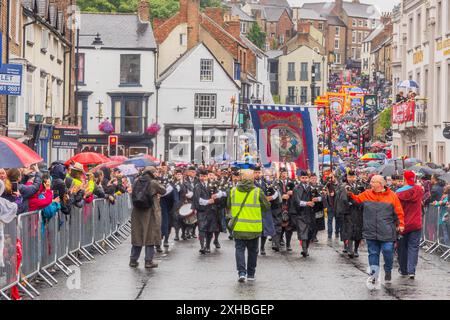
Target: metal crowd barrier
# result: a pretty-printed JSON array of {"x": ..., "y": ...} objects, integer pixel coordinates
[
  {"x": 45, "y": 244},
  {"x": 436, "y": 230},
  {"x": 8, "y": 256}
]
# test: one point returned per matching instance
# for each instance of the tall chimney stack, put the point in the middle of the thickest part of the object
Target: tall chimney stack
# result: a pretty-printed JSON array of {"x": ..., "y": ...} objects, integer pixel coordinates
[
  {"x": 193, "y": 22},
  {"x": 144, "y": 11}
]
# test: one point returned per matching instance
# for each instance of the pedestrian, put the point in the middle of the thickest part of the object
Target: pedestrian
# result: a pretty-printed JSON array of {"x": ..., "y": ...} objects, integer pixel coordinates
[
  {"x": 146, "y": 217},
  {"x": 383, "y": 217},
  {"x": 247, "y": 203},
  {"x": 410, "y": 196}
]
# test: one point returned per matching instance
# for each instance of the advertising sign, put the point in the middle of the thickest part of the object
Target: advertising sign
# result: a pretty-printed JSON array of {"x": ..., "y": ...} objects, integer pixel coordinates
[
  {"x": 11, "y": 79},
  {"x": 65, "y": 138}
]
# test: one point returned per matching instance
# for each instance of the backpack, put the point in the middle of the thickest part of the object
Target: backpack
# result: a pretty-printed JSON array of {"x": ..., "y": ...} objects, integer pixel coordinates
[{"x": 140, "y": 196}]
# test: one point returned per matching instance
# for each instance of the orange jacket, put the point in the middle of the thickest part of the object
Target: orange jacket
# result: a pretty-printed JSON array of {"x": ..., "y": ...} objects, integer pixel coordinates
[{"x": 388, "y": 196}]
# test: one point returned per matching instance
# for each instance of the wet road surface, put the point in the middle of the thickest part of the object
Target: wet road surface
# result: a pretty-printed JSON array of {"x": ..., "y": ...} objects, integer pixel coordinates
[{"x": 184, "y": 274}]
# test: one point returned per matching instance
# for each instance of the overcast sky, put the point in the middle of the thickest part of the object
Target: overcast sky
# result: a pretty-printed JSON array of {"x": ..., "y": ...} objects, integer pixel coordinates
[{"x": 383, "y": 5}]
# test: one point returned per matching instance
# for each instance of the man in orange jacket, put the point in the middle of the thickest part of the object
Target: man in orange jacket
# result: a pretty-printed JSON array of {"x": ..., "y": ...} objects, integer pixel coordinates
[{"x": 383, "y": 217}]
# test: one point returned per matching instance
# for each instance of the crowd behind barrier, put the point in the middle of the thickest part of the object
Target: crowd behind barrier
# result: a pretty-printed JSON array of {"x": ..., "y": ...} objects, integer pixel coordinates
[
  {"x": 436, "y": 230},
  {"x": 42, "y": 245}
]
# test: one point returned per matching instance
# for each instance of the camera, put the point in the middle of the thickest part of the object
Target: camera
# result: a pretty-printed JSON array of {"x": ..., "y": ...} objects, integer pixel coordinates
[{"x": 15, "y": 186}]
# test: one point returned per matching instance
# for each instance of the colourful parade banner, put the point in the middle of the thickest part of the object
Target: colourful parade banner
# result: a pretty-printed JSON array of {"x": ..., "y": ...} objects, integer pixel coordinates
[
  {"x": 294, "y": 138},
  {"x": 337, "y": 102},
  {"x": 403, "y": 112}
]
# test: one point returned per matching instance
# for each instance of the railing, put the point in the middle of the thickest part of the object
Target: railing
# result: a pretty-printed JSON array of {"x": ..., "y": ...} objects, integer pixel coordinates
[
  {"x": 291, "y": 100},
  {"x": 46, "y": 244},
  {"x": 436, "y": 230}
]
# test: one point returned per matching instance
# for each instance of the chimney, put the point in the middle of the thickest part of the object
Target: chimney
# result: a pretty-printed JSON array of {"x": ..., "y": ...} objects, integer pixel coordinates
[
  {"x": 355, "y": 1},
  {"x": 193, "y": 22},
  {"x": 385, "y": 19},
  {"x": 157, "y": 23},
  {"x": 234, "y": 27},
  {"x": 144, "y": 11},
  {"x": 338, "y": 7},
  {"x": 303, "y": 27},
  {"x": 216, "y": 14},
  {"x": 183, "y": 9}
]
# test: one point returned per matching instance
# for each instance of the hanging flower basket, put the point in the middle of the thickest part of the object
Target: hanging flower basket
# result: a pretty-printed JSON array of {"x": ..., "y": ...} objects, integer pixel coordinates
[
  {"x": 106, "y": 127},
  {"x": 153, "y": 129}
]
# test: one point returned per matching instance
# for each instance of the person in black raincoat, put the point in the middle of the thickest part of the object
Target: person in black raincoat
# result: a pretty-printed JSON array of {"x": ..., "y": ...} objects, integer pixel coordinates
[
  {"x": 267, "y": 220},
  {"x": 205, "y": 203},
  {"x": 304, "y": 217},
  {"x": 316, "y": 190},
  {"x": 286, "y": 187},
  {"x": 168, "y": 202}
]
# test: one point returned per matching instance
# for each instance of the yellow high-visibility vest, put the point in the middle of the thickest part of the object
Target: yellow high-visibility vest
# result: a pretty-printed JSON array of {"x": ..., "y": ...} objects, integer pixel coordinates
[{"x": 250, "y": 218}]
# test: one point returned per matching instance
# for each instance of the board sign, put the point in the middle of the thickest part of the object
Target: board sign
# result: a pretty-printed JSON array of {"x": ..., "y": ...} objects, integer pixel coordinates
[
  {"x": 446, "y": 133},
  {"x": 11, "y": 79},
  {"x": 65, "y": 138}
]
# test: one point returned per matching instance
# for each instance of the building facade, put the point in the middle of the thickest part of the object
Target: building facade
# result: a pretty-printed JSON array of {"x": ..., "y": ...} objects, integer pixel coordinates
[
  {"x": 116, "y": 82},
  {"x": 421, "y": 53}
]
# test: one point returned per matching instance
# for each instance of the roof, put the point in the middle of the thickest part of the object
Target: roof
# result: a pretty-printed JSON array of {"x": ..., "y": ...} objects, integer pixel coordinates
[
  {"x": 358, "y": 10},
  {"x": 310, "y": 42},
  {"x": 171, "y": 69},
  {"x": 133, "y": 33},
  {"x": 276, "y": 3},
  {"x": 335, "y": 21},
  {"x": 237, "y": 11},
  {"x": 381, "y": 45},
  {"x": 374, "y": 33},
  {"x": 273, "y": 14},
  {"x": 308, "y": 14},
  {"x": 252, "y": 46},
  {"x": 273, "y": 54}
]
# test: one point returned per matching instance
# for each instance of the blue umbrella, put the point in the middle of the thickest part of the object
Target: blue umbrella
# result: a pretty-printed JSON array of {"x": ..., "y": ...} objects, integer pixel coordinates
[
  {"x": 141, "y": 162},
  {"x": 408, "y": 84},
  {"x": 356, "y": 90}
]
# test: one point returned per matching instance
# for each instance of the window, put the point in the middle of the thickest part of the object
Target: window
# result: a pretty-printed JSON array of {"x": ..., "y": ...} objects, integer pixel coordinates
[
  {"x": 180, "y": 145},
  {"x": 128, "y": 114},
  {"x": 336, "y": 43},
  {"x": 81, "y": 67},
  {"x": 206, "y": 69},
  {"x": 30, "y": 32},
  {"x": 243, "y": 27},
  {"x": 303, "y": 94},
  {"x": 337, "y": 31},
  {"x": 410, "y": 33},
  {"x": 366, "y": 23},
  {"x": 237, "y": 70},
  {"x": 441, "y": 153},
  {"x": 338, "y": 58},
  {"x": 205, "y": 106},
  {"x": 317, "y": 71},
  {"x": 17, "y": 18},
  {"x": 374, "y": 23},
  {"x": 358, "y": 53},
  {"x": 320, "y": 26},
  {"x": 366, "y": 34},
  {"x": 354, "y": 22},
  {"x": 316, "y": 92},
  {"x": 43, "y": 91},
  {"x": 360, "y": 23},
  {"x": 130, "y": 68},
  {"x": 183, "y": 39},
  {"x": 44, "y": 40},
  {"x": 354, "y": 53},
  {"x": 291, "y": 71},
  {"x": 304, "y": 71},
  {"x": 291, "y": 92},
  {"x": 418, "y": 28},
  {"x": 439, "y": 18},
  {"x": 354, "y": 36},
  {"x": 360, "y": 36},
  {"x": 12, "y": 109},
  {"x": 30, "y": 95}
]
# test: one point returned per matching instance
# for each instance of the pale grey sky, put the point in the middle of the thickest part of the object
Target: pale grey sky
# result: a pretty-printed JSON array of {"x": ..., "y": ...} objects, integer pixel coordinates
[{"x": 383, "y": 5}]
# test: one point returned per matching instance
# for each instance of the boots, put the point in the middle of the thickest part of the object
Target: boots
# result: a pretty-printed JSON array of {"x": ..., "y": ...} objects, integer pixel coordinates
[
  {"x": 208, "y": 243},
  {"x": 276, "y": 243},
  {"x": 356, "y": 254},
  {"x": 216, "y": 240},
  {"x": 350, "y": 249},
  {"x": 288, "y": 241},
  {"x": 304, "y": 245},
  {"x": 166, "y": 242},
  {"x": 263, "y": 245},
  {"x": 345, "y": 246},
  {"x": 177, "y": 232},
  {"x": 202, "y": 245}
]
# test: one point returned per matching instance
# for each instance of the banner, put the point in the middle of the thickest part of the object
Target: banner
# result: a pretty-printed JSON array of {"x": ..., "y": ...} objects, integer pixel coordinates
[
  {"x": 370, "y": 102},
  {"x": 293, "y": 138},
  {"x": 337, "y": 102},
  {"x": 403, "y": 112}
]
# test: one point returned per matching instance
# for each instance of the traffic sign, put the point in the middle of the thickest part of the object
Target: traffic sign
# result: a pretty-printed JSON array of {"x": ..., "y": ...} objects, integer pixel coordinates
[
  {"x": 11, "y": 79},
  {"x": 446, "y": 133}
]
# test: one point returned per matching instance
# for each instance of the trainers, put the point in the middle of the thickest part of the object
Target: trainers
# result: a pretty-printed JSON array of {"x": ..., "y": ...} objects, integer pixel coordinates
[
  {"x": 288, "y": 248},
  {"x": 263, "y": 252},
  {"x": 388, "y": 277},
  {"x": 412, "y": 276},
  {"x": 251, "y": 278},
  {"x": 403, "y": 275},
  {"x": 158, "y": 249},
  {"x": 150, "y": 265},
  {"x": 134, "y": 264},
  {"x": 166, "y": 244},
  {"x": 242, "y": 278},
  {"x": 217, "y": 244}
]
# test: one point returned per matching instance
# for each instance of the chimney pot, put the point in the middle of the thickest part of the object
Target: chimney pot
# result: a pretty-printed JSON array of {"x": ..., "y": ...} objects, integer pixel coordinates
[{"x": 144, "y": 11}]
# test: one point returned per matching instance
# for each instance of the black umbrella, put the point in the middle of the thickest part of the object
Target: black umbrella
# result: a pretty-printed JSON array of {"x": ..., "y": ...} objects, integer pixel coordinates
[
  {"x": 445, "y": 177},
  {"x": 389, "y": 170},
  {"x": 433, "y": 165},
  {"x": 422, "y": 169}
]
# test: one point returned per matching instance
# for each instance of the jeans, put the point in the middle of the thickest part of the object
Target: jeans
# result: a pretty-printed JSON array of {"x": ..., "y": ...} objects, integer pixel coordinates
[
  {"x": 338, "y": 223},
  {"x": 408, "y": 252},
  {"x": 136, "y": 252},
  {"x": 375, "y": 247},
  {"x": 252, "y": 255}
]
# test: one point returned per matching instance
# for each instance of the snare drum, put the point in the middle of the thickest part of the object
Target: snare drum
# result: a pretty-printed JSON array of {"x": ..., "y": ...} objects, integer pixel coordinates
[
  {"x": 185, "y": 210},
  {"x": 188, "y": 214}
]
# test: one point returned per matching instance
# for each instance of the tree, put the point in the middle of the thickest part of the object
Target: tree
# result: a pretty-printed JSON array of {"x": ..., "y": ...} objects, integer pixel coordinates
[
  {"x": 163, "y": 9},
  {"x": 386, "y": 118},
  {"x": 257, "y": 36},
  {"x": 210, "y": 3}
]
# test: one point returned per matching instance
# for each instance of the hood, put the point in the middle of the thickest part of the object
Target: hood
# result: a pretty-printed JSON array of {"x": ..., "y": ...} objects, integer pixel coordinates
[
  {"x": 58, "y": 171},
  {"x": 245, "y": 186}
]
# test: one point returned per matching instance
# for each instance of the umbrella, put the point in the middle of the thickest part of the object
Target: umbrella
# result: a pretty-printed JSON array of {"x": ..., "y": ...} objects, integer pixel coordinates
[
  {"x": 445, "y": 177},
  {"x": 370, "y": 169},
  {"x": 412, "y": 161},
  {"x": 356, "y": 90},
  {"x": 377, "y": 144},
  {"x": 128, "y": 169},
  {"x": 408, "y": 84},
  {"x": 371, "y": 156},
  {"x": 147, "y": 156},
  {"x": 389, "y": 170},
  {"x": 15, "y": 154},
  {"x": 433, "y": 165},
  {"x": 439, "y": 171},
  {"x": 326, "y": 159},
  {"x": 87, "y": 158},
  {"x": 119, "y": 158},
  {"x": 110, "y": 165},
  {"x": 141, "y": 162},
  {"x": 373, "y": 164},
  {"x": 422, "y": 169}
]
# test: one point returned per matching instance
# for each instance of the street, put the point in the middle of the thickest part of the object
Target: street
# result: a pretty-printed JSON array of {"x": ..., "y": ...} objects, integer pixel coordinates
[{"x": 183, "y": 274}]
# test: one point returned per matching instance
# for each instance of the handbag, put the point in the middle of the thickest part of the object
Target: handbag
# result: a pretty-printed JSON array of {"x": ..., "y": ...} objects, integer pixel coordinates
[{"x": 233, "y": 221}]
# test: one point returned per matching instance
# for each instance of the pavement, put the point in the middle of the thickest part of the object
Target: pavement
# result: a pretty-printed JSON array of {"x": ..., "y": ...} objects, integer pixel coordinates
[{"x": 184, "y": 274}]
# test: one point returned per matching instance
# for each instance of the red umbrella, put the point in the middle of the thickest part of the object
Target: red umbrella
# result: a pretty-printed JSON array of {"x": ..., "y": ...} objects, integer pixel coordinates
[
  {"x": 88, "y": 158},
  {"x": 118, "y": 158},
  {"x": 147, "y": 156},
  {"x": 15, "y": 154}
]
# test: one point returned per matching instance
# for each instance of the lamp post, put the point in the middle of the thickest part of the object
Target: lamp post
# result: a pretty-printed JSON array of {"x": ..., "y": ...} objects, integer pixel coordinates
[
  {"x": 313, "y": 83},
  {"x": 97, "y": 43}
]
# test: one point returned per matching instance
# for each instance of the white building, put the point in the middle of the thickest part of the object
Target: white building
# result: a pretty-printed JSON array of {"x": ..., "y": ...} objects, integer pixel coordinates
[
  {"x": 117, "y": 81},
  {"x": 194, "y": 107},
  {"x": 421, "y": 44},
  {"x": 45, "y": 59}
]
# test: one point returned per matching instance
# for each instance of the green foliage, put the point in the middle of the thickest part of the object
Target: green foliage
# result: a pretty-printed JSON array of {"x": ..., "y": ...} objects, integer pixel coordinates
[
  {"x": 163, "y": 9},
  {"x": 210, "y": 3},
  {"x": 276, "y": 99},
  {"x": 257, "y": 36},
  {"x": 386, "y": 118}
]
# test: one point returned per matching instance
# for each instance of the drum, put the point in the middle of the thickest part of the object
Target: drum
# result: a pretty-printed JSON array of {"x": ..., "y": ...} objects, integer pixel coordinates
[
  {"x": 185, "y": 210},
  {"x": 188, "y": 214},
  {"x": 191, "y": 219}
]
